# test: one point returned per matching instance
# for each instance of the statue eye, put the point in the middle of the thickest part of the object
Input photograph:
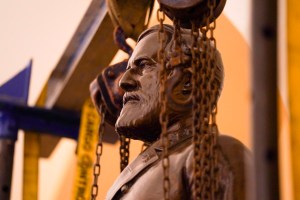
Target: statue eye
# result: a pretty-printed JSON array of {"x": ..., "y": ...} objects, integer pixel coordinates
[
  {"x": 143, "y": 63},
  {"x": 146, "y": 62}
]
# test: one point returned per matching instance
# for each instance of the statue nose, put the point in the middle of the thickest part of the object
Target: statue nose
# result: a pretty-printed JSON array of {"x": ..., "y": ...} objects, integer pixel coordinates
[{"x": 127, "y": 82}]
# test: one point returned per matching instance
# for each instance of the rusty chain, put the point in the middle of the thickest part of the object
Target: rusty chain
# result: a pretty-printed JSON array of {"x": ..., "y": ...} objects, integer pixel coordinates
[
  {"x": 205, "y": 92},
  {"x": 195, "y": 50},
  {"x": 99, "y": 150},
  {"x": 204, "y": 96},
  {"x": 176, "y": 57},
  {"x": 163, "y": 118},
  {"x": 213, "y": 107},
  {"x": 124, "y": 152}
]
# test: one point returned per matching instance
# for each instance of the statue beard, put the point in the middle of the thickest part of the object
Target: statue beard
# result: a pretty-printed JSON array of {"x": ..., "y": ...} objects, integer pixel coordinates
[{"x": 140, "y": 120}]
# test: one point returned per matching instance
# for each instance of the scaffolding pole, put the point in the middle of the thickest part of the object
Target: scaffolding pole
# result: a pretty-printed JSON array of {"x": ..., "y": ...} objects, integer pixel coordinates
[
  {"x": 8, "y": 137},
  {"x": 264, "y": 91}
]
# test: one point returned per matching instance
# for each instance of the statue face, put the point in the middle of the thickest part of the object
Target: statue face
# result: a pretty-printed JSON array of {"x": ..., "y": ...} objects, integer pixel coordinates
[{"x": 139, "y": 117}]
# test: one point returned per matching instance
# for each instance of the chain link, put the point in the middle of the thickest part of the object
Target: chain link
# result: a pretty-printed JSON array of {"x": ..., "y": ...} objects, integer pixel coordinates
[
  {"x": 213, "y": 110},
  {"x": 195, "y": 50},
  {"x": 204, "y": 96},
  {"x": 163, "y": 102},
  {"x": 205, "y": 92},
  {"x": 176, "y": 57},
  {"x": 124, "y": 152},
  {"x": 99, "y": 150}
]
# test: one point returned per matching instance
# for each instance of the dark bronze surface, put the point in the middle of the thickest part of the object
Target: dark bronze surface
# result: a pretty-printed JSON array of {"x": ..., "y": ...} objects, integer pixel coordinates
[{"x": 139, "y": 116}]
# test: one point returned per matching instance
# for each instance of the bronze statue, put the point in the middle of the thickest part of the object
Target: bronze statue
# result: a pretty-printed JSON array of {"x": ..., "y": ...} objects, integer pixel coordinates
[{"x": 139, "y": 119}]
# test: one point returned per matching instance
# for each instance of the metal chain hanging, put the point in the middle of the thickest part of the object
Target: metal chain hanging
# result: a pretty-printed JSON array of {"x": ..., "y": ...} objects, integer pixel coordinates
[
  {"x": 213, "y": 106},
  {"x": 206, "y": 177},
  {"x": 205, "y": 131},
  {"x": 124, "y": 152},
  {"x": 176, "y": 57},
  {"x": 99, "y": 150},
  {"x": 163, "y": 118},
  {"x": 197, "y": 128}
]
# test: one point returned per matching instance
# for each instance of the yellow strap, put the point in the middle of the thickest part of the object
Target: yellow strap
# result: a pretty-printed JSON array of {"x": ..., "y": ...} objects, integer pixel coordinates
[
  {"x": 293, "y": 38},
  {"x": 31, "y": 158},
  {"x": 86, "y": 147},
  {"x": 30, "y": 170}
]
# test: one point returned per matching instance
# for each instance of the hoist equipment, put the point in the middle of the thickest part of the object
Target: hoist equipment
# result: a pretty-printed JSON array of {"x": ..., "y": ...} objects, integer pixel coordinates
[
  {"x": 199, "y": 18},
  {"x": 121, "y": 13}
]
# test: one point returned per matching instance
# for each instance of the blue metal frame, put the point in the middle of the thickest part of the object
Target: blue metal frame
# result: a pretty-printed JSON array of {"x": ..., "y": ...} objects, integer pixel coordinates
[
  {"x": 15, "y": 114},
  {"x": 8, "y": 126},
  {"x": 14, "y": 91},
  {"x": 56, "y": 122}
]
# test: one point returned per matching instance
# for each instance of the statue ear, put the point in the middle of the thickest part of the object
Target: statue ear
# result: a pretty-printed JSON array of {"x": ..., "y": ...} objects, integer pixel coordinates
[
  {"x": 187, "y": 83},
  {"x": 179, "y": 89}
]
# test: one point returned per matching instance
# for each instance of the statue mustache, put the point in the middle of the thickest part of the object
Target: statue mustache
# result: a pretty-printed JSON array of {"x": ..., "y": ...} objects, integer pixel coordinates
[{"x": 131, "y": 96}]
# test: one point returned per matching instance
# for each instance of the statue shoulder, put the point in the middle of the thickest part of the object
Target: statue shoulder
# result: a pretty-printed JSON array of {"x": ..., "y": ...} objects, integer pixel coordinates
[{"x": 240, "y": 163}]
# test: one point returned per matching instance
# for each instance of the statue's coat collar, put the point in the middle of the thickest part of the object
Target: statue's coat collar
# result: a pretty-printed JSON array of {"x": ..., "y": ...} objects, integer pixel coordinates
[
  {"x": 141, "y": 162},
  {"x": 149, "y": 156}
]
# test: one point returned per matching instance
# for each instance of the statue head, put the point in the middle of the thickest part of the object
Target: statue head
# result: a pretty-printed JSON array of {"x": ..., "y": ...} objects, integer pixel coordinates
[{"x": 139, "y": 117}]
